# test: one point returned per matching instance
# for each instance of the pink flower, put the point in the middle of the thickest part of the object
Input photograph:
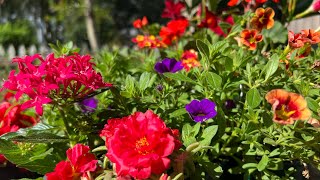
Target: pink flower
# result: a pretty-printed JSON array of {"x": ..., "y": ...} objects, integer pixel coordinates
[
  {"x": 67, "y": 77},
  {"x": 79, "y": 162},
  {"x": 140, "y": 144}
]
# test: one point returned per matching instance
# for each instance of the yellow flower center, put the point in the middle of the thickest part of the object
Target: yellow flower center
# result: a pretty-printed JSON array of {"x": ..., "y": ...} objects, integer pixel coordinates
[
  {"x": 142, "y": 145},
  {"x": 283, "y": 113}
]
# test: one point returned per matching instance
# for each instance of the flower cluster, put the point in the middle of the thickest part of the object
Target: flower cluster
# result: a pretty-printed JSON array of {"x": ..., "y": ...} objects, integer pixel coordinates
[
  {"x": 80, "y": 162},
  {"x": 212, "y": 21},
  {"x": 148, "y": 41},
  {"x": 140, "y": 23},
  {"x": 63, "y": 77},
  {"x": 189, "y": 59},
  {"x": 139, "y": 144},
  {"x": 263, "y": 19}
]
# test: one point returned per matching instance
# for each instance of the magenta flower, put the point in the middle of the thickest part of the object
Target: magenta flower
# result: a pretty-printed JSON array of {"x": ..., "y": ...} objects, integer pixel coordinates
[
  {"x": 201, "y": 110},
  {"x": 168, "y": 65}
]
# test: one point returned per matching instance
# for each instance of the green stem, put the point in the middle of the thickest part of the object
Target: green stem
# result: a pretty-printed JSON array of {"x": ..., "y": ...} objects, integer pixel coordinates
[{"x": 68, "y": 130}]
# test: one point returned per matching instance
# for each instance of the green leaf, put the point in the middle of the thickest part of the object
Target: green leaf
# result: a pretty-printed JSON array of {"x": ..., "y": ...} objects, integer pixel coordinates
[
  {"x": 249, "y": 165},
  {"x": 179, "y": 77},
  {"x": 34, "y": 157},
  {"x": 203, "y": 48},
  {"x": 271, "y": 66},
  {"x": 178, "y": 112},
  {"x": 196, "y": 129},
  {"x": 269, "y": 141},
  {"x": 312, "y": 104},
  {"x": 208, "y": 134},
  {"x": 253, "y": 98},
  {"x": 39, "y": 133},
  {"x": 275, "y": 152},
  {"x": 187, "y": 137},
  {"x": 263, "y": 163},
  {"x": 146, "y": 80},
  {"x": 214, "y": 80}
]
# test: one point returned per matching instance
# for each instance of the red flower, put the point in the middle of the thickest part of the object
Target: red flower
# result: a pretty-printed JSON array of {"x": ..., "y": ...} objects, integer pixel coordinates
[
  {"x": 79, "y": 162},
  {"x": 173, "y": 30},
  {"x": 263, "y": 18},
  {"x": 172, "y": 10},
  {"x": 189, "y": 59},
  {"x": 212, "y": 21},
  {"x": 140, "y": 144},
  {"x": 295, "y": 40},
  {"x": 250, "y": 38},
  {"x": 287, "y": 106},
  {"x": 139, "y": 23}
]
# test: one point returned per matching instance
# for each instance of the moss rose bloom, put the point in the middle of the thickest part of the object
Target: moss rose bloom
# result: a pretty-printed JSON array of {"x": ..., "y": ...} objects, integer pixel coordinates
[{"x": 139, "y": 145}]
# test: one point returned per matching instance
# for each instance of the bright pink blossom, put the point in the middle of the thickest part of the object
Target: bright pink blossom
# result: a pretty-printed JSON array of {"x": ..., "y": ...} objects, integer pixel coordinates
[
  {"x": 139, "y": 145},
  {"x": 67, "y": 77},
  {"x": 80, "y": 161}
]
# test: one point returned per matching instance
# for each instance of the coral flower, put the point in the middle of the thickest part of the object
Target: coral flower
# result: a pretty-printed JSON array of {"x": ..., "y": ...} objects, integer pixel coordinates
[
  {"x": 140, "y": 23},
  {"x": 263, "y": 18},
  {"x": 189, "y": 59},
  {"x": 145, "y": 41},
  {"x": 287, "y": 106},
  {"x": 168, "y": 65},
  {"x": 250, "y": 38},
  {"x": 173, "y": 30},
  {"x": 309, "y": 36},
  {"x": 80, "y": 161},
  {"x": 201, "y": 110},
  {"x": 172, "y": 10},
  {"x": 140, "y": 145},
  {"x": 295, "y": 40}
]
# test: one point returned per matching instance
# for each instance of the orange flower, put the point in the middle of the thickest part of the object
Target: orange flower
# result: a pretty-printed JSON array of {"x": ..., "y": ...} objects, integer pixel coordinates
[
  {"x": 190, "y": 59},
  {"x": 139, "y": 23},
  {"x": 148, "y": 41},
  {"x": 310, "y": 36},
  {"x": 250, "y": 38},
  {"x": 263, "y": 18},
  {"x": 287, "y": 106}
]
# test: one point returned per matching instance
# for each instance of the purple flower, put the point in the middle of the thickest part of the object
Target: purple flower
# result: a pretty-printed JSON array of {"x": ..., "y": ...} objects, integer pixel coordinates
[
  {"x": 168, "y": 65},
  {"x": 201, "y": 110},
  {"x": 89, "y": 105}
]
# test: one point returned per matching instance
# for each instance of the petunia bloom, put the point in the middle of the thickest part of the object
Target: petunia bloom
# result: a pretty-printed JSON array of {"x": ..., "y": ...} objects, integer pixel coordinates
[
  {"x": 310, "y": 36},
  {"x": 140, "y": 23},
  {"x": 263, "y": 18},
  {"x": 189, "y": 59},
  {"x": 80, "y": 161},
  {"x": 172, "y": 10},
  {"x": 140, "y": 145},
  {"x": 168, "y": 65},
  {"x": 89, "y": 105},
  {"x": 174, "y": 30},
  {"x": 287, "y": 106},
  {"x": 250, "y": 38},
  {"x": 201, "y": 110}
]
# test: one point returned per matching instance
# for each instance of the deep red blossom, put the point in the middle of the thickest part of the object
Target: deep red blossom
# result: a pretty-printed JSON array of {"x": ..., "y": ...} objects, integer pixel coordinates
[
  {"x": 173, "y": 30},
  {"x": 140, "y": 23},
  {"x": 212, "y": 21},
  {"x": 139, "y": 145},
  {"x": 80, "y": 161},
  {"x": 172, "y": 10},
  {"x": 67, "y": 77}
]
